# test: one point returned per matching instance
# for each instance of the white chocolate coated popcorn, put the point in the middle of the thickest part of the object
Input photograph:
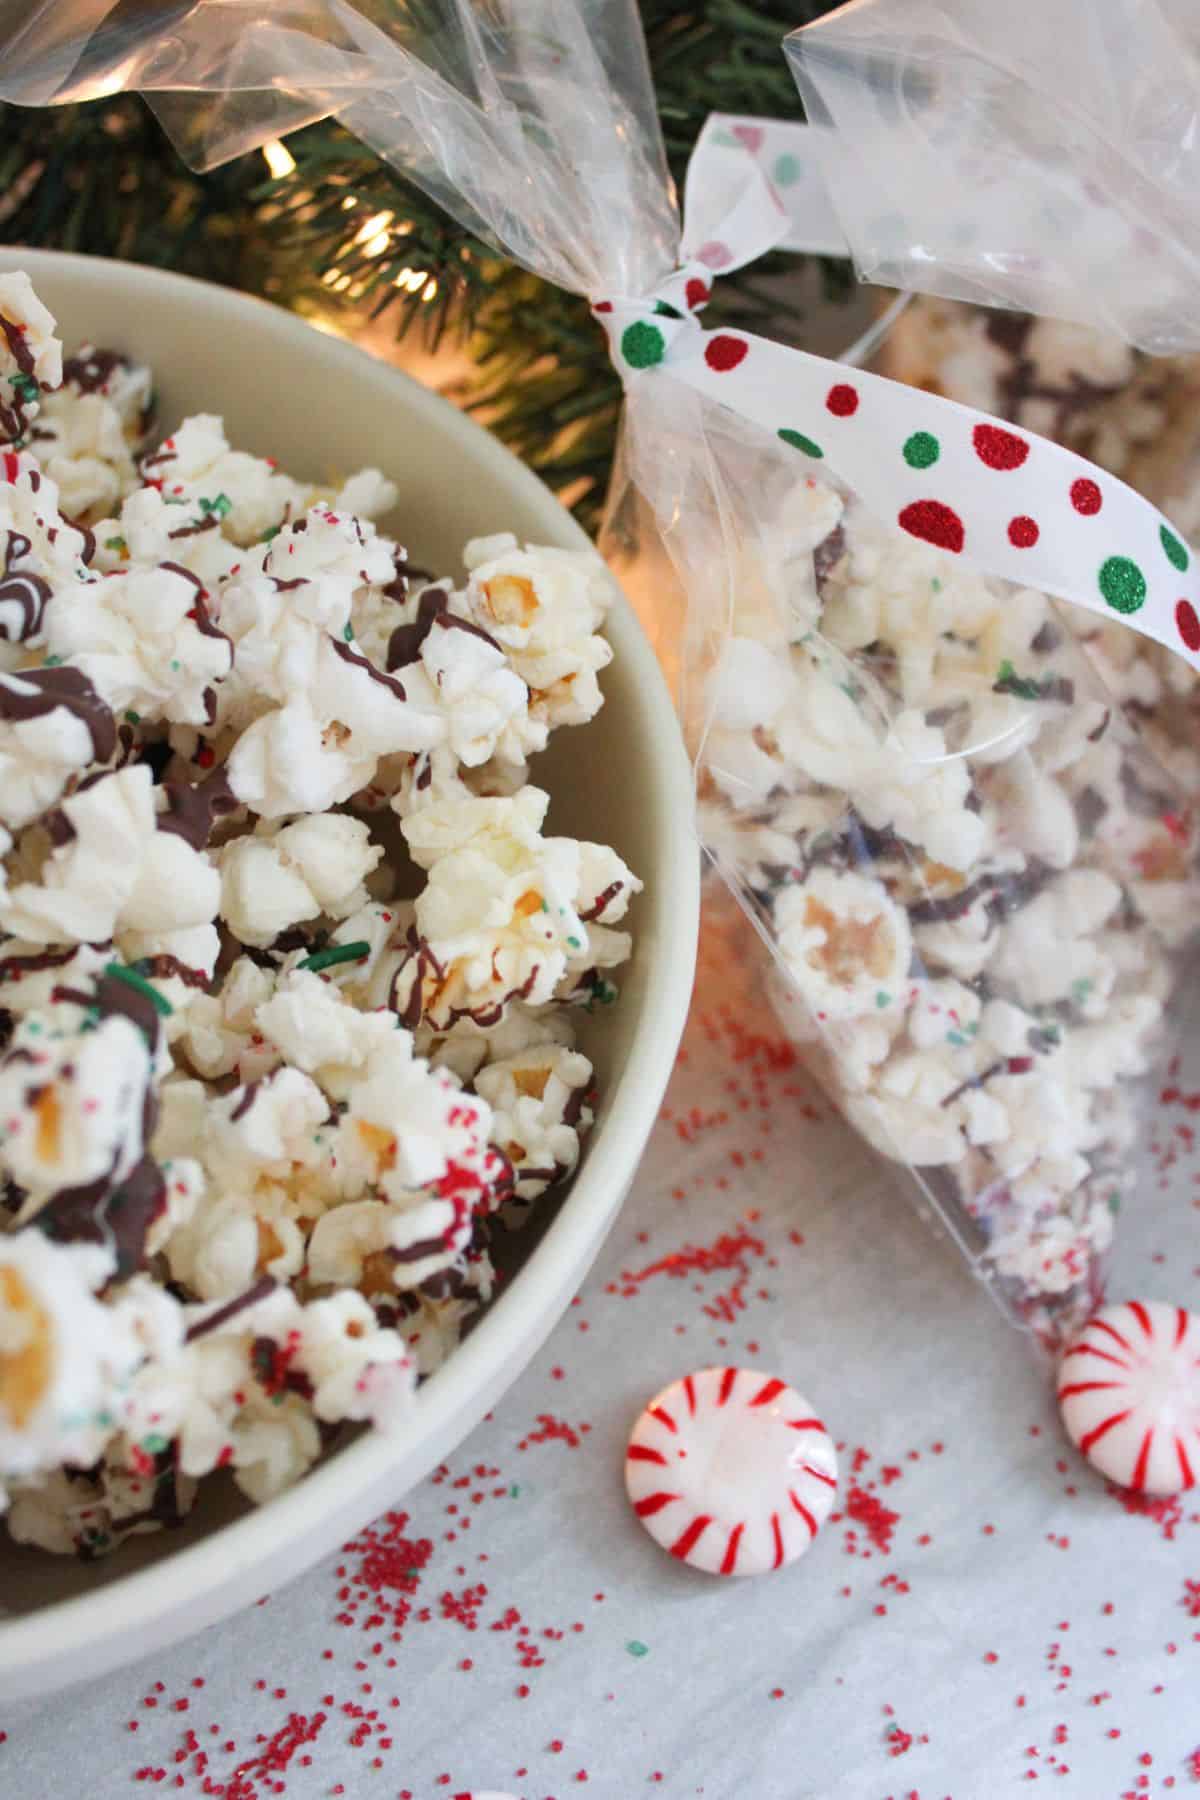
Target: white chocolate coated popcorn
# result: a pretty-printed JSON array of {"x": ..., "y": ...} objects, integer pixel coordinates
[{"x": 253, "y": 1021}]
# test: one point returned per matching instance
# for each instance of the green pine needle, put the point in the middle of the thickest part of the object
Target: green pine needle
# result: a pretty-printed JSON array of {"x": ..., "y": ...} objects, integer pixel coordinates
[{"x": 103, "y": 178}]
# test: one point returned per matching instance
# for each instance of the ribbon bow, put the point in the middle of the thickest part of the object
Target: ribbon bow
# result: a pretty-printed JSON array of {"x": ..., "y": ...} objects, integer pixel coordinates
[{"x": 1019, "y": 506}]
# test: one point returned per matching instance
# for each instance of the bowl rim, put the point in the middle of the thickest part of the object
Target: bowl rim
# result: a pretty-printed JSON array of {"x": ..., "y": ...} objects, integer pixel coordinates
[{"x": 136, "y": 1602}]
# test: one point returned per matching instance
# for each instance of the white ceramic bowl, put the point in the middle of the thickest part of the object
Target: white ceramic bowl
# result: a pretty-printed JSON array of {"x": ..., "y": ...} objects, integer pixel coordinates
[{"x": 321, "y": 407}]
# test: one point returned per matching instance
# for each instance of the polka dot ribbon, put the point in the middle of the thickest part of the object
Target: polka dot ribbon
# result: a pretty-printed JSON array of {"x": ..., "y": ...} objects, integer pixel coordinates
[{"x": 1014, "y": 504}]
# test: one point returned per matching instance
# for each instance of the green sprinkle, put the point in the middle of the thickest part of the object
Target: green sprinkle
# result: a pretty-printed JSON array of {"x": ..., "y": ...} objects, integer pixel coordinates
[
  {"x": 1122, "y": 584},
  {"x": 798, "y": 441},
  {"x": 268, "y": 535},
  {"x": 514, "y": 1492},
  {"x": 785, "y": 170},
  {"x": 1009, "y": 682},
  {"x": 642, "y": 345},
  {"x": 175, "y": 663},
  {"x": 1114, "y": 1202},
  {"x": 25, "y": 387},
  {"x": 575, "y": 943},
  {"x": 883, "y": 999},
  {"x": 1176, "y": 552},
  {"x": 348, "y": 632},
  {"x": 337, "y": 953},
  {"x": 936, "y": 585},
  {"x": 1080, "y": 991},
  {"x": 132, "y": 718},
  {"x": 956, "y": 1038},
  {"x": 635, "y": 1648},
  {"x": 117, "y": 543},
  {"x": 220, "y": 506},
  {"x": 51, "y": 662},
  {"x": 155, "y": 1444},
  {"x": 33, "y": 1027},
  {"x": 132, "y": 979},
  {"x": 921, "y": 450}
]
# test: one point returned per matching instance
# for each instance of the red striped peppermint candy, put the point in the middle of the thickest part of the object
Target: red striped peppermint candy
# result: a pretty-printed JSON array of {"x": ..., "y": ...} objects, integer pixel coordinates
[
  {"x": 731, "y": 1471},
  {"x": 1129, "y": 1394}
]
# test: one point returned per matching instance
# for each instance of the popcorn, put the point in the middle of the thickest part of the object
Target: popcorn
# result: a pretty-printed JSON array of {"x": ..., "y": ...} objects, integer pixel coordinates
[
  {"x": 65, "y": 1357},
  {"x": 539, "y": 1113},
  {"x": 73, "y": 1102},
  {"x": 250, "y": 1159},
  {"x": 505, "y": 912},
  {"x": 545, "y": 608},
  {"x": 846, "y": 945},
  {"x": 145, "y": 641},
  {"x": 30, "y": 357},
  {"x": 973, "y": 874},
  {"x": 53, "y": 724},
  {"x": 114, "y": 866},
  {"x": 315, "y": 865}
]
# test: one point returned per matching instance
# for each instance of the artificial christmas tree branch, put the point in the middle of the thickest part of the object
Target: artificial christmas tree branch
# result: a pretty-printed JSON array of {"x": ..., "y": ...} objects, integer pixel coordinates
[{"x": 333, "y": 227}]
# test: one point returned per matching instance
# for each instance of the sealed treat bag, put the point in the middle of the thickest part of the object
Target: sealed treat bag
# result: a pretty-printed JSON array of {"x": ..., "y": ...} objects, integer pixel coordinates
[
  {"x": 975, "y": 880},
  {"x": 1136, "y": 415}
]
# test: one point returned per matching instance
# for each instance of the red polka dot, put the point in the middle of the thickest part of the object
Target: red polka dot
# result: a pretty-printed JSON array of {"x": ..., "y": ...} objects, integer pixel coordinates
[
  {"x": 714, "y": 255},
  {"x": 936, "y": 523},
  {"x": 696, "y": 293},
  {"x": 723, "y": 352},
  {"x": 750, "y": 135},
  {"x": 842, "y": 400},
  {"x": 1086, "y": 496},
  {"x": 998, "y": 448},
  {"x": 1023, "y": 531},
  {"x": 1188, "y": 623}
]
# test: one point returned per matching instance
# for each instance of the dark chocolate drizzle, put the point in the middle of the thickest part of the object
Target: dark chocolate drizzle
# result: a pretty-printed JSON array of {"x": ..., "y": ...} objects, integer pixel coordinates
[
  {"x": 18, "y": 345},
  {"x": 826, "y": 557},
  {"x": 249, "y": 1095},
  {"x": 89, "y": 370},
  {"x": 1071, "y": 402},
  {"x": 23, "y": 590},
  {"x": 192, "y": 812},
  {"x": 165, "y": 967},
  {"x": 12, "y": 968},
  {"x": 601, "y": 901},
  {"x": 259, "y": 1290},
  {"x": 357, "y": 661},
  {"x": 404, "y": 645},
  {"x": 54, "y": 687},
  {"x": 118, "y": 1215}
]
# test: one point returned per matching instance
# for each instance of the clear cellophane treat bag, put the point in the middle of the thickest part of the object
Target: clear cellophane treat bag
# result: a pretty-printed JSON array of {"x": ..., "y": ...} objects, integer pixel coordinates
[{"x": 976, "y": 881}]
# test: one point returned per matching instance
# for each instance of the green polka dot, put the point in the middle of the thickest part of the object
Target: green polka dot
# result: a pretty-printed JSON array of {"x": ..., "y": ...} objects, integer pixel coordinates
[
  {"x": 1122, "y": 584},
  {"x": 785, "y": 170},
  {"x": 665, "y": 311},
  {"x": 921, "y": 450},
  {"x": 642, "y": 345},
  {"x": 1177, "y": 554},
  {"x": 798, "y": 441}
]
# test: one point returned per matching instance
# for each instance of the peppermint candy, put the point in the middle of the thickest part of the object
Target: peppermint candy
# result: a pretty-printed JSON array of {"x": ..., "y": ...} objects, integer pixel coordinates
[
  {"x": 732, "y": 1471},
  {"x": 1129, "y": 1394}
]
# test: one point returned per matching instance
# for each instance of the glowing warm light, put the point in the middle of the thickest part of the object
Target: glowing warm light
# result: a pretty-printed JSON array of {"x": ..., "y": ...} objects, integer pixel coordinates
[
  {"x": 412, "y": 279},
  {"x": 349, "y": 203},
  {"x": 378, "y": 244},
  {"x": 329, "y": 277},
  {"x": 430, "y": 293},
  {"x": 278, "y": 159},
  {"x": 374, "y": 226}
]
